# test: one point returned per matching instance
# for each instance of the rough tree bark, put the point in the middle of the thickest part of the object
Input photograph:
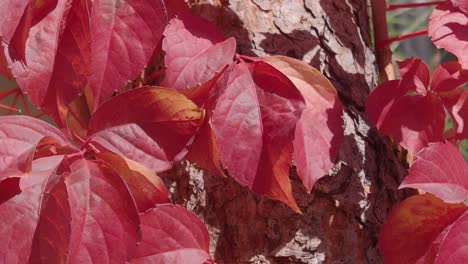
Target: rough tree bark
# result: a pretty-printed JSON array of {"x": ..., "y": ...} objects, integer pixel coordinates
[{"x": 343, "y": 214}]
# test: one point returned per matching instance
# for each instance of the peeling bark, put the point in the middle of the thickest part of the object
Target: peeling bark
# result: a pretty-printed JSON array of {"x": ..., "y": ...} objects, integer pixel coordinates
[{"x": 343, "y": 214}]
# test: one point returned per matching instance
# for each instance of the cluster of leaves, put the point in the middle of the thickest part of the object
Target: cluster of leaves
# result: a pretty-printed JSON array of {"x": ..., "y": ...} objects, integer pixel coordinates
[
  {"x": 412, "y": 111},
  {"x": 67, "y": 194}
]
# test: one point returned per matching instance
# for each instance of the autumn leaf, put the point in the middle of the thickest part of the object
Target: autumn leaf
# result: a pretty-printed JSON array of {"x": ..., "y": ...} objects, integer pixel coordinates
[
  {"x": 441, "y": 170},
  {"x": 124, "y": 35},
  {"x": 254, "y": 122},
  {"x": 149, "y": 125},
  {"x": 413, "y": 225},
  {"x": 189, "y": 241},
  {"x": 319, "y": 131},
  {"x": 195, "y": 50},
  {"x": 448, "y": 29}
]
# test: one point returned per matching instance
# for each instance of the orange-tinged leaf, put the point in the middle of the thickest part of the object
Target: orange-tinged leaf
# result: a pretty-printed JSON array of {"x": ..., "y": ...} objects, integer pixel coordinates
[
  {"x": 146, "y": 187},
  {"x": 204, "y": 151},
  {"x": 319, "y": 131},
  {"x": 149, "y": 125},
  {"x": 413, "y": 225}
]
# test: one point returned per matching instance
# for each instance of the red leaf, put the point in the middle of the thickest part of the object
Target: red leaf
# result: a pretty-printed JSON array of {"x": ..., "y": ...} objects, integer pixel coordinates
[
  {"x": 454, "y": 247},
  {"x": 415, "y": 75},
  {"x": 412, "y": 120},
  {"x": 319, "y": 131},
  {"x": 462, "y": 4},
  {"x": 19, "y": 137},
  {"x": 441, "y": 170},
  {"x": 20, "y": 214},
  {"x": 57, "y": 57},
  {"x": 195, "y": 52},
  {"x": 97, "y": 197},
  {"x": 457, "y": 105},
  {"x": 448, "y": 77},
  {"x": 149, "y": 125},
  {"x": 254, "y": 122},
  {"x": 10, "y": 16},
  {"x": 34, "y": 13},
  {"x": 413, "y": 225},
  {"x": 448, "y": 29},
  {"x": 189, "y": 240},
  {"x": 145, "y": 186},
  {"x": 124, "y": 35}
]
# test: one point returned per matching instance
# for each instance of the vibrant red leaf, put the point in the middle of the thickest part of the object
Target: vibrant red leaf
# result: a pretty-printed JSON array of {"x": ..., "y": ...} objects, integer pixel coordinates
[
  {"x": 20, "y": 214},
  {"x": 440, "y": 169},
  {"x": 19, "y": 137},
  {"x": 195, "y": 52},
  {"x": 413, "y": 225},
  {"x": 448, "y": 77},
  {"x": 97, "y": 197},
  {"x": 149, "y": 125},
  {"x": 454, "y": 247},
  {"x": 448, "y": 29},
  {"x": 415, "y": 75},
  {"x": 254, "y": 122},
  {"x": 457, "y": 106},
  {"x": 405, "y": 110},
  {"x": 57, "y": 58},
  {"x": 145, "y": 186},
  {"x": 124, "y": 35},
  {"x": 172, "y": 234},
  {"x": 34, "y": 13},
  {"x": 320, "y": 129}
]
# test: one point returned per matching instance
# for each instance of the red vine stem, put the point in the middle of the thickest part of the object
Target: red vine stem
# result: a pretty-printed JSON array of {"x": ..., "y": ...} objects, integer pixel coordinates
[
  {"x": 383, "y": 53},
  {"x": 398, "y": 6},
  {"x": 402, "y": 37}
]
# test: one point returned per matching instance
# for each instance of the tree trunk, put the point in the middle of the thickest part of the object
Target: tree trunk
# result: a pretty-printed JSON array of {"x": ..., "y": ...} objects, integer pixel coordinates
[{"x": 342, "y": 216}]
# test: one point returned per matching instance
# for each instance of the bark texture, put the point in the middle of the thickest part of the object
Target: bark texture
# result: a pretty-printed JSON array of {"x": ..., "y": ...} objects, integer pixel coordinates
[{"x": 343, "y": 214}]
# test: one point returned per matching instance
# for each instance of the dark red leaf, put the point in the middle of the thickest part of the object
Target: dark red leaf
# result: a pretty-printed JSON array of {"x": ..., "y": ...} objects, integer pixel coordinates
[
  {"x": 440, "y": 169},
  {"x": 195, "y": 52},
  {"x": 172, "y": 234},
  {"x": 320, "y": 129},
  {"x": 124, "y": 35},
  {"x": 448, "y": 29},
  {"x": 413, "y": 225},
  {"x": 145, "y": 186},
  {"x": 149, "y": 125},
  {"x": 254, "y": 122},
  {"x": 19, "y": 138}
]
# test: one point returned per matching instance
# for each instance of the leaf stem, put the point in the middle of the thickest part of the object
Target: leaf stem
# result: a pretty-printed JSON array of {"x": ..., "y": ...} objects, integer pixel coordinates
[
  {"x": 413, "y": 5},
  {"x": 387, "y": 42}
]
